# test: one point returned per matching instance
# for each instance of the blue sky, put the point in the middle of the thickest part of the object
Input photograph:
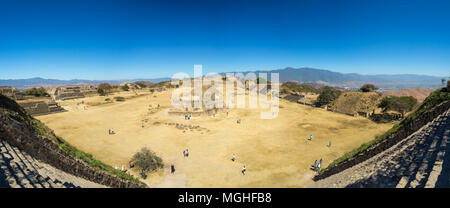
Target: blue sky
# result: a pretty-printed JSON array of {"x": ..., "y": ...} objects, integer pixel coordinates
[{"x": 148, "y": 39}]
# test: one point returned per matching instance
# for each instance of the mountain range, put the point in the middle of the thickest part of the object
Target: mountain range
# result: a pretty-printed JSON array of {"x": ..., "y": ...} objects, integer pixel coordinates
[{"x": 301, "y": 75}]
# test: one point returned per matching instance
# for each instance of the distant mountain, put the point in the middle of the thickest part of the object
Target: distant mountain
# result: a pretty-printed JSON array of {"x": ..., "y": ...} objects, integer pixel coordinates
[
  {"x": 37, "y": 81},
  {"x": 354, "y": 80},
  {"x": 302, "y": 75}
]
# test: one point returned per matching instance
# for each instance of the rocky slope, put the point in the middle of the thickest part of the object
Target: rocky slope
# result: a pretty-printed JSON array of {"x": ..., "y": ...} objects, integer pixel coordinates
[
  {"x": 19, "y": 170},
  {"x": 420, "y": 160},
  {"x": 33, "y": 156}
]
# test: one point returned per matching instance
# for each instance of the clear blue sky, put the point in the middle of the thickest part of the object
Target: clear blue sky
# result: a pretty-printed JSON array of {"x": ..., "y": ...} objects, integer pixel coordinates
[{"x": 93, "y": 39}]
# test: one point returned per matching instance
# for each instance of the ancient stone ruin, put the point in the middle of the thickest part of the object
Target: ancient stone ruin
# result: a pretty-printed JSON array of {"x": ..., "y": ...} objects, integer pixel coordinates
[
  {"x": 41, "y": 107},
  {"x": 11, "y": 92},
  {"x": 65, "y": 93}
]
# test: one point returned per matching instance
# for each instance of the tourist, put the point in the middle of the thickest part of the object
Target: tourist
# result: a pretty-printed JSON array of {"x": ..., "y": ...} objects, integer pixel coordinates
[
  {"x": 131, "y": 164},
  {"x": 320, "y": 162},
  {"x": 233, "y": 158},
  {"x": 187, "y": 153},
  {"x": 117, "y": 168},
  {"x": 315, "y": 165},
  {"x": 184, "y": 153},
  {"x": 172, "y": 169},
  {"x": 310, "y": 137},
  {"x": 109, "y": 131},
  {"x": 123, "y": 168},
  {"x": 329, "y": 143},
  {"x": 243, "y": 170},
  {"x": 318, "y": 167}
]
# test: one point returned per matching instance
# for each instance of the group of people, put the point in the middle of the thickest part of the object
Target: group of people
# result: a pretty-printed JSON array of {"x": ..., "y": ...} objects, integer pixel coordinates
[
  {"x": 317, "y": 165},
  {"x": 186, "y": 153},
  {"x": 123, "y": 169}
]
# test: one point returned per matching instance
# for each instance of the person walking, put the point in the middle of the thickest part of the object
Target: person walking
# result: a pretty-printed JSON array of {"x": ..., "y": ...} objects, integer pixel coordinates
[
  {"x": 310, "y": 137},
  {"x": 131, "y": 164},
  {"x": 243, "y": 170},
  {"x": 233, "y": 158},
  {"x": 172, "y": 169},
  {"x": 315, "y": 165}
]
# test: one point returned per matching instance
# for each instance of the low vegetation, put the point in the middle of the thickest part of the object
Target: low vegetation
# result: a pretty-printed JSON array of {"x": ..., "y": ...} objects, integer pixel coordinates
[
  {"x": 36, "y": 92},
  {"x": 289, "y": 87}
]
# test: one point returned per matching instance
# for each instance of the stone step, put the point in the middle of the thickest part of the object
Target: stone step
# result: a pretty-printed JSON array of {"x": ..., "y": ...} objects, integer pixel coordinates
[
  {"x": 427, "y": 161},
  {"x": 437, "y": 167}
]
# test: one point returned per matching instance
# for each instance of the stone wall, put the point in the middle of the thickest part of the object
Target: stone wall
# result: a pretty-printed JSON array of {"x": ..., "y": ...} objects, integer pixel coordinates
[
  {"x": 46, "y": 150},
  {"x": 64, "y": 93},
  {"x": 41, "y": 107},
  {"x": 11, "y": 92},
  {"x": 401, "y": 134}
]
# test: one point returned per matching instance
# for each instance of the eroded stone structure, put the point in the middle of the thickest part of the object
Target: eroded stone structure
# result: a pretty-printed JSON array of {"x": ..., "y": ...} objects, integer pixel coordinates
[
  {"x": 41, "y": 107},
  {"x": 65, "y": 93},
  {"x": 11, "y": 92}
]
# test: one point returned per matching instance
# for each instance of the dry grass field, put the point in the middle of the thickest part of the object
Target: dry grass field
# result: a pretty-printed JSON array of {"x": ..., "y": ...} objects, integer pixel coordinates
[{"x": 276, "y": 152}]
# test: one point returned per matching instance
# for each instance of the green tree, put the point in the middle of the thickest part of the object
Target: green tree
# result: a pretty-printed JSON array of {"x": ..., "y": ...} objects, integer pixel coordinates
[
  {"x": 368, "y": 88},
  {"x": 327, "y": 95},
  {"x": 146, "y": 160},
  {"x": 37, "y": 92},
  {"x": 104, "y": 88},
  {"x": 124, "y": 87},
  {"x": 401, "y": 104}
]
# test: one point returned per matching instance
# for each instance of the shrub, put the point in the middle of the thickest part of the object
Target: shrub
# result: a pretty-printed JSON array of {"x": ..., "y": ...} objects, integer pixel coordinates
[
  {"x": 368, "y": 88},
  {"x": 119, "y": 99},
  {"x": 124, "y": 87}
]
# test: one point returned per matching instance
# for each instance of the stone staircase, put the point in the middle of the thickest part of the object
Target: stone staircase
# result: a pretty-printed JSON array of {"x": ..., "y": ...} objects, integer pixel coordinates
[
  {"x": 422, "y": 160},
  {"x": 20, "y": 170}
]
